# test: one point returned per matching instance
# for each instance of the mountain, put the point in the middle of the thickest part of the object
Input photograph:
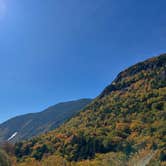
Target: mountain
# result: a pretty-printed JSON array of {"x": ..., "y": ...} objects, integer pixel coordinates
[
  {"x": 26, "y": 126},
  {"x": 125, "y": 124}
]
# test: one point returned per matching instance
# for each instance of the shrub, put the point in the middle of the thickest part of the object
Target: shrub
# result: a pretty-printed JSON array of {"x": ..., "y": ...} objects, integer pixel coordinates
[{"x": 4, "y": 159}]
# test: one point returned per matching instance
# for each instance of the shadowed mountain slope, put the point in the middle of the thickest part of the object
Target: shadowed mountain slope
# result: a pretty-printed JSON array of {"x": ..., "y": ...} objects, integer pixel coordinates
[{"x": 26, "y": 126}]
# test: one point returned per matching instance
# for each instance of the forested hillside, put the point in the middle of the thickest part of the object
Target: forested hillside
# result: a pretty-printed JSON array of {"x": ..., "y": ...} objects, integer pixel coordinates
[{"x": 127, "y": 118}]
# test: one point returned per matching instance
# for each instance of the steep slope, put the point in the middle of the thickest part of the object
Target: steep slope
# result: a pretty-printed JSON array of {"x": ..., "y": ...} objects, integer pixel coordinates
[
  {"x": 128, "y": 116},
  {"x": 27, "y": 126}
]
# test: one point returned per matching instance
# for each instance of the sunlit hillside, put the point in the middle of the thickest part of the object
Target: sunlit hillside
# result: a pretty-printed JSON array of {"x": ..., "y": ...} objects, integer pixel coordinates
[{"x": 126, "y": 122}]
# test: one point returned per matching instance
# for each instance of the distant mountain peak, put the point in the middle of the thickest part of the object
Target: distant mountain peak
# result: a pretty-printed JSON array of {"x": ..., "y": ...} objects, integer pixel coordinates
[{"x": 32, "y": 124}]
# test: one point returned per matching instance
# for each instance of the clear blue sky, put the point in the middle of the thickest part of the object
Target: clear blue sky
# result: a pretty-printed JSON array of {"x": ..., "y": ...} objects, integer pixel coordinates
[{"x": 59, "y": 50}]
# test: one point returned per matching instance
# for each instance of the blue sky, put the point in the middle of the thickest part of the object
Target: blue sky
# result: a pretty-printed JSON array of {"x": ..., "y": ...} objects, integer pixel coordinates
[{"x": 59, "y": 50}]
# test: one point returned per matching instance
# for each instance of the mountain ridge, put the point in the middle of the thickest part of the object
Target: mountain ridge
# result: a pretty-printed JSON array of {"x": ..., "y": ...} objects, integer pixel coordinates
[
  {"x": 147, "y": 64},
  {"x": 22, "y": 124}
]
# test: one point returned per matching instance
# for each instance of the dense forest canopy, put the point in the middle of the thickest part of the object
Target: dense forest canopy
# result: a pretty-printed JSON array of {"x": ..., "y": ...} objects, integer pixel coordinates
[{"x": 126, "y": 119}]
